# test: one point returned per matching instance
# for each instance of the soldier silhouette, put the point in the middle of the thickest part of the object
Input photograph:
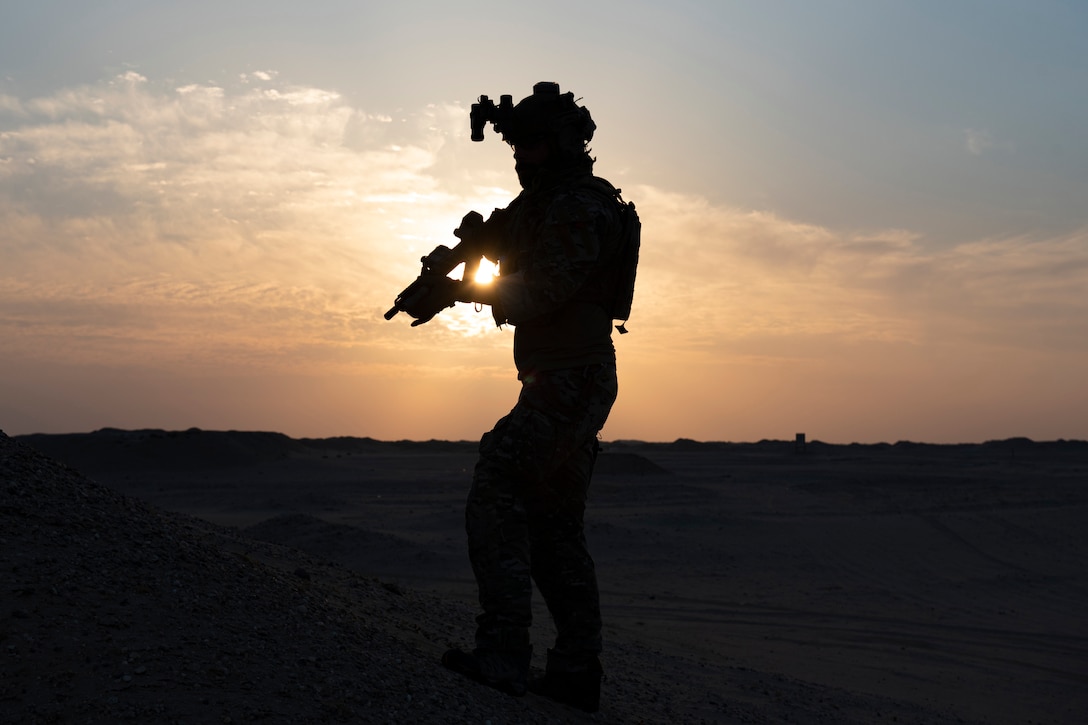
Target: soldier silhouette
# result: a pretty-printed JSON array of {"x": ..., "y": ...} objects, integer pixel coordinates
[{"x": 567, "y": 250}]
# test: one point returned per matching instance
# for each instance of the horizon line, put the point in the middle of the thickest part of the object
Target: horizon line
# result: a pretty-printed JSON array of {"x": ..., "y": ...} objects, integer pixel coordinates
[{"x": 799, "y": 439}]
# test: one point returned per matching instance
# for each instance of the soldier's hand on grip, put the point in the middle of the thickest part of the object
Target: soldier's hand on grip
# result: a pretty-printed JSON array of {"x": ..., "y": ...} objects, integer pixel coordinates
[{"x": 435, "y": 293}]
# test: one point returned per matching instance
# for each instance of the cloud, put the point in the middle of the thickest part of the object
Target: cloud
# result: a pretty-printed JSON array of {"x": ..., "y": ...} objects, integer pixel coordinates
[
  {"x": 270, "y": 225},
  {"x": 254, "y": 217},
  {"x": 978, "y": 140},
  {"x": 741, "y": 273},
  {"x": 261, "y": 75},
  {"x": 201, "y": 155}
]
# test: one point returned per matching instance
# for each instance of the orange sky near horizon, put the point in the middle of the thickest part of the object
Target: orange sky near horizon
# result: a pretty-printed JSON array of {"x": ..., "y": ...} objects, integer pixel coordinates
[{"x": 181, "y": 252}]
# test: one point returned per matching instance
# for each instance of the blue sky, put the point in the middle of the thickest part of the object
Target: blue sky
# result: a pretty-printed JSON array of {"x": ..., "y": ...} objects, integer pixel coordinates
[{"x": 865, "y": 220}]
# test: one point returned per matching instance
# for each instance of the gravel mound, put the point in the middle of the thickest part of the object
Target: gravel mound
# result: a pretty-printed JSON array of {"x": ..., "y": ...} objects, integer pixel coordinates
[{"x": 115, "y": 612}]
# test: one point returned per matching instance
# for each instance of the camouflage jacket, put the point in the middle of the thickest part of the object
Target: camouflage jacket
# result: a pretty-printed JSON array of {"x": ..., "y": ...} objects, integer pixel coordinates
[{"x": 553, "y": 244}]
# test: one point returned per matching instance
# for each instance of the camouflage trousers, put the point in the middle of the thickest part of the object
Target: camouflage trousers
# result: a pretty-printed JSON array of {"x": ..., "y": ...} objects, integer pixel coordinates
[{"x": 525, "y": 511}]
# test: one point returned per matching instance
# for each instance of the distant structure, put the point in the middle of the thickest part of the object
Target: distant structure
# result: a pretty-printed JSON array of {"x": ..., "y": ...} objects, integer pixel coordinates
[{"x": 799, "y": 443}]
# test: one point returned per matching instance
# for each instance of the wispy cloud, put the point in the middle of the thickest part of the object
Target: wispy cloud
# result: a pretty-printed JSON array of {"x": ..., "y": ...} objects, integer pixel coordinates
[
  {"x": 282, "y": 208},
  {"x": 978, "y": 140},
  {"x": 740, "y": 272},
  {"x": 288, "y": 211}
]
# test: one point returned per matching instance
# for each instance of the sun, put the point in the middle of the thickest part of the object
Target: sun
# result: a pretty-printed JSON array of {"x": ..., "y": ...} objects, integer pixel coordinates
[{"x": 486, "y": 272}]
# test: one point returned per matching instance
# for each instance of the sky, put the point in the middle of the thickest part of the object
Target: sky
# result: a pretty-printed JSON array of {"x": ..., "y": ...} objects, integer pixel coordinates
[{"x": 865, "y": 221}]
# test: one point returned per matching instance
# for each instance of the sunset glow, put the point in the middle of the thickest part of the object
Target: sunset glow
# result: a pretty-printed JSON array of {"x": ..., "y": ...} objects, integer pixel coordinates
[
  {"x": 486, "y": 272},
  {"x": 837, "y": 239}
]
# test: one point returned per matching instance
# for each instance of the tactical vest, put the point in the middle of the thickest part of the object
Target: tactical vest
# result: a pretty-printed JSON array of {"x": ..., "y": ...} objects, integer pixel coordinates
[{"x": 612, "y": 284}]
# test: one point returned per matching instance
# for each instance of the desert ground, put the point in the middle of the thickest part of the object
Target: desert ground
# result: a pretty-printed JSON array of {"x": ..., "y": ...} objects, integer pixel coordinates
[{"x": 223, "y": 576}]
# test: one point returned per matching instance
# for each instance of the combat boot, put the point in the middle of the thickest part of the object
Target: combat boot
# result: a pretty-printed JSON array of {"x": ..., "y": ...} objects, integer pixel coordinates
[
  {"x": 574, "y": 681},
  {"x": 505, "y": 670}
]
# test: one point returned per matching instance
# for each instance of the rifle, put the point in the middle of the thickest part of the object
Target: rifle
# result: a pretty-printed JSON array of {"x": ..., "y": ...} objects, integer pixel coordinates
[{"x": 438, "y": 264}]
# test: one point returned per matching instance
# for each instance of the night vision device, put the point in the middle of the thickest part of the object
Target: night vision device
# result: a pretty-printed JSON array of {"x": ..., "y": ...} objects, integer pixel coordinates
[{"x": 485, "y": 111}]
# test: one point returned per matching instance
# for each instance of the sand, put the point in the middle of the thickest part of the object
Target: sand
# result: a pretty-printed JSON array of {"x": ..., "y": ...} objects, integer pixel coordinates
[{"x": 234, "y": 576}]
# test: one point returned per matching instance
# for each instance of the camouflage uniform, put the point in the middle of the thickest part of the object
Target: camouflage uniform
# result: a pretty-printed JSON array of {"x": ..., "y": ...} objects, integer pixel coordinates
[{"x": 524, "y": 515}]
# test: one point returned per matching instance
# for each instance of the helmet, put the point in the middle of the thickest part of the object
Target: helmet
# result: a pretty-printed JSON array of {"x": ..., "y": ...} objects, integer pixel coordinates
[
  {"x": 547, "y": 114},
  {"x": 551, "y": 114}
]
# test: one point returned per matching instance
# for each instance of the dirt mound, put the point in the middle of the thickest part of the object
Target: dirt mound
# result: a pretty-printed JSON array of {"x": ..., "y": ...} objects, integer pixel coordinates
[
  {"x": 111, "y": 449},
  {"x": 115, "y": 611}
]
